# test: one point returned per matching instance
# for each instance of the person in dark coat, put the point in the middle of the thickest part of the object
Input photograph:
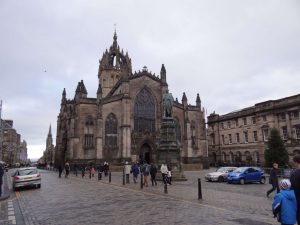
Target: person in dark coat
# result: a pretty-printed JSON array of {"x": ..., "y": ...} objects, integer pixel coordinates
[
  {"x": 75, "y": 169},
  {"x": 273, "y": 180},
  {"x": 153, "y": 172},
  {"x": 106, "y": 168},
  {"x": 295, "y": 183},
  {"x": 1, "y": 177},
  {"x": 59, "y": 171},
  {"x": 82, "y": 171},
  {"x": 135, "y": 172},
  {"x": 67, "y": 169}
]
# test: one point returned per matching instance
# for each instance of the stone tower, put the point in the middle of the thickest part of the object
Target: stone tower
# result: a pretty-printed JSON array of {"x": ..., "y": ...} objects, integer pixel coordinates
[{"x": 114, "y": 66}]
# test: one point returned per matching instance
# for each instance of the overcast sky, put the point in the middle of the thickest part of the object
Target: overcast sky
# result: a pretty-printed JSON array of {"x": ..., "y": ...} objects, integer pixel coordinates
[{"x": 233, "y": 53}]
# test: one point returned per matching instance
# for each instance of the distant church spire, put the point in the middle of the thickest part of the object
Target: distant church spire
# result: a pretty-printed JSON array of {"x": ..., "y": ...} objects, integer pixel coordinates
[
  {"x": 49, "y": 140},
  {"x": 49, "y": 134}
]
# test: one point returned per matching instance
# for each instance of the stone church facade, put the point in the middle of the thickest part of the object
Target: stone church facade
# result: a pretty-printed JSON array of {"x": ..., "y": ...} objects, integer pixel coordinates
[{"x": 123, "y": 122}]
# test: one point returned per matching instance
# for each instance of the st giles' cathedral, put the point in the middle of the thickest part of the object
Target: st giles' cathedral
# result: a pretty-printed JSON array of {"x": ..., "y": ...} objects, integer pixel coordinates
[{"x": 123, "y": 122}]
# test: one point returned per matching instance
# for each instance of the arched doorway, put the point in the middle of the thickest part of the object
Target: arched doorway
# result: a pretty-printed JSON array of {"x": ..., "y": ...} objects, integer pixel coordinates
[{"x": 145, "y": 153}]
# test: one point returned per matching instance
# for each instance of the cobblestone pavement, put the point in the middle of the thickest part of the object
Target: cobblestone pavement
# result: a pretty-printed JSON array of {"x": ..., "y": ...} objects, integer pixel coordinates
[{"x": 88, "y": 201}]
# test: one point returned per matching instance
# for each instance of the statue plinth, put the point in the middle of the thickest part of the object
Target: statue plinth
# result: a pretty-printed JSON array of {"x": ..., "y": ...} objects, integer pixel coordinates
[{"x": 168, "y": 151}]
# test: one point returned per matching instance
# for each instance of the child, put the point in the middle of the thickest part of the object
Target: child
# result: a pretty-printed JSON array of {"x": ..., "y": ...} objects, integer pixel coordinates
[{"x": 285, "y": 205}]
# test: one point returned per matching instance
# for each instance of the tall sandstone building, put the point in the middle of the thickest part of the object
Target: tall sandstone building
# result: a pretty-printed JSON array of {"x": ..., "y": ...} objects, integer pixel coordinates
[
  {"x": 123, "y": 122},
  {"x": 241, "y": 137}
]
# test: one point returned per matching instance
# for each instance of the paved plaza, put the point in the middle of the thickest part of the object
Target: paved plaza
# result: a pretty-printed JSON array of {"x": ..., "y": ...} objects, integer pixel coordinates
[{"x": 77, "y": 200}]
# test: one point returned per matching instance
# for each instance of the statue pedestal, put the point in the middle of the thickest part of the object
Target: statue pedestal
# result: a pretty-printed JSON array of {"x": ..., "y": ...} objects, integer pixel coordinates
[{"x": 168, "y": 151}]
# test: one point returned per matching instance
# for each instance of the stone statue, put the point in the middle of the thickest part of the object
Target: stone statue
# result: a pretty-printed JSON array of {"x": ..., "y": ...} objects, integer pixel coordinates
[{"x": 167, "y": 104}]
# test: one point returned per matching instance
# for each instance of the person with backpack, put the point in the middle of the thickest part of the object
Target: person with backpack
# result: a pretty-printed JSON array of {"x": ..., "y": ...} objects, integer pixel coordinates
[
  {"x": 164, "y": 173},
  {"x": 284, "y": 206},
  {"x": 146, "y": 172},
  {"x": 135, "y": 172}
]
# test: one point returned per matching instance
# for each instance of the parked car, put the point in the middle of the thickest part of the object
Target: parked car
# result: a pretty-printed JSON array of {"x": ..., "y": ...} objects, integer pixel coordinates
[
  {"x": 27, "y": 176},
  {"x": 220, "y": 174},
  {"x": 244, "y": 175}
]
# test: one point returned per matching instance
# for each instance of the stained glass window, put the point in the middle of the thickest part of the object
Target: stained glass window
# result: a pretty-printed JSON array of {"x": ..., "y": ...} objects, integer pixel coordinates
[
  {"x": 144, "y": 112},
  {"x": 111, "y": 131}
]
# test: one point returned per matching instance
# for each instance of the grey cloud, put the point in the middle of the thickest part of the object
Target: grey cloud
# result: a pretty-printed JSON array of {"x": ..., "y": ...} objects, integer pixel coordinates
[{"x": 233, "y": 53}]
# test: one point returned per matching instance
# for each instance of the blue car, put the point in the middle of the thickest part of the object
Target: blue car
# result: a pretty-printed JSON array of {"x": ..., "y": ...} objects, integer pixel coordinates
[{"x": 244, "y": 175}]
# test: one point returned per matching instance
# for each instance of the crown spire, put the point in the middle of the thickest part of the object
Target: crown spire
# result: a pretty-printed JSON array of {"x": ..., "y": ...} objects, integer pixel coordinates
[{"x": 115, "y": 43}]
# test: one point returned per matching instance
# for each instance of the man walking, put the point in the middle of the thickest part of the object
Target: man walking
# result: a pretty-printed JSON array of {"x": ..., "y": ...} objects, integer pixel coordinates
[
  {"x": 295, "y": 183},
  {"x": 153, "y": 172},
  {"x": 273, "y": 180}
]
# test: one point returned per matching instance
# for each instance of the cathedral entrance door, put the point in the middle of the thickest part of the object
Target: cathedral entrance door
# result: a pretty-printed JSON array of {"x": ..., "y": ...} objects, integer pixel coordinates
[{"x": 145, "y": 154}]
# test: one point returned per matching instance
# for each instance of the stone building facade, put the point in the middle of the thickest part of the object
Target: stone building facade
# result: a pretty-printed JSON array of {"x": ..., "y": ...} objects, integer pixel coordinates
[
  {"x": 241, "y": 136},
  {"x": 14, "y": 151},
  {"x": 122, "y": 123}
]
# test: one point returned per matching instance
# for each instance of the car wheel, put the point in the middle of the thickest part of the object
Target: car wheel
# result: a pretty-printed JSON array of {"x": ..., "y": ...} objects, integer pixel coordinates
[
  {"x": 39, "y": 185},
  {"x": 262, "y": 180},
  {"x": 242, "y": 181},
  {"x": 221, "y": 179},
  {"x": 15, "y": 189}
]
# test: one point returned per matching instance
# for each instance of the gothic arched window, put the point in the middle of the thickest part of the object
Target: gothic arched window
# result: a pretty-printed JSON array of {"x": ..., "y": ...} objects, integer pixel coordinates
[
  {"x": 177, "y": 130},
  {"x": 144, "y": 112},
  {"x": 88, "y": 141},
  {"x": 111, "y": 131},
  {"x": 193, "y": 132}
]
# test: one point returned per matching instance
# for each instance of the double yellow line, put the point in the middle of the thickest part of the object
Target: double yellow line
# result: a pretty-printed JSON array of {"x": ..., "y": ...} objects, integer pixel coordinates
[{"x": 18, "y": 194}]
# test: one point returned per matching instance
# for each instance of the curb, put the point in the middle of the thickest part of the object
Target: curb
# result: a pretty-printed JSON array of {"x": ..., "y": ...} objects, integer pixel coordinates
[{"x": 6, "y": 192}]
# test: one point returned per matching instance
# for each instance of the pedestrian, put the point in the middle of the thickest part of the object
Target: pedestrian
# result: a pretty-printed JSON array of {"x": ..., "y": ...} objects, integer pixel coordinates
[
  {"x": 169, "y": 175},
  {"x": 93, "y": 171},
  {"x": 153, "y": 172},
  {"x": 295, "y": 183},
  {"x": 59, "y": 170},
  {"x": 1, "y": 178},
  {"x": 127, "y": 169},
  {"x": 67, "y": 169},
  {"x": 164, "y": 172},
  {"x": 106, "y": 168},
  {"x": 75, "y": 169},
  {"x": 135, "y": 172},
  {"x": 82, "y": 171},
  {"x": 273, "y": 180},
  {"x": 146, "y": 172},
  {"x": 284, "y": 206}
]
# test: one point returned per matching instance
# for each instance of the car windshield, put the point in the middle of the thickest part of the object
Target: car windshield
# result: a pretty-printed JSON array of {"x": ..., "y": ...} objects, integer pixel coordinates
[
  {"x": 222, "y": 169},
  {"x": 240, "y": 170},
  {"x": 27, "y": 172}
]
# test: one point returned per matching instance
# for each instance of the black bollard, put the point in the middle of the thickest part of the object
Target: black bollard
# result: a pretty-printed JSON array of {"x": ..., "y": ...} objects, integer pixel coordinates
[
  {"x": 109, "y": 177},
  {"x": 90, "y": 175},
  {"x": 142, "y": 181},
  {"x": 123, "y": 176},
  {"x": 199, "y": 189},
  {"x": 99, "y": 175}
]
